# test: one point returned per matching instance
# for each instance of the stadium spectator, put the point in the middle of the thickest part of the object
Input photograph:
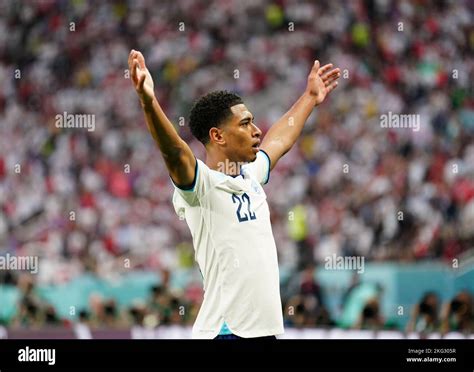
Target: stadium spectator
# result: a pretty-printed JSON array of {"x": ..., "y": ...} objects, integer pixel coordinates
[
  {"x": 458, "y": 314},
  {"x": 425, "y": 315}
]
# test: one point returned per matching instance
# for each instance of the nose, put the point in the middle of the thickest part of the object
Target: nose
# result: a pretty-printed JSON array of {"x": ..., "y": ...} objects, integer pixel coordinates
[{"x": 256, "y": 132}]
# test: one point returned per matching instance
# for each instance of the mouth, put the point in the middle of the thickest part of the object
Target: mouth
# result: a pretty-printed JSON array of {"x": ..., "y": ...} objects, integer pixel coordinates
[{"x": 256, "y": 146}]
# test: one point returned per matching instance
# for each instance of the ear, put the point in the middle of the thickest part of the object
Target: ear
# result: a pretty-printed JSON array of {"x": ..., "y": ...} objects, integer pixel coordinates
[{"x": 216, "y": 135}]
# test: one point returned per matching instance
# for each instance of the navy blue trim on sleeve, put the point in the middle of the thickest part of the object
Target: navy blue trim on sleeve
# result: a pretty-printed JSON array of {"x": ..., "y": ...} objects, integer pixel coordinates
[
  {"x": 193, "y": 185},
  {"x": 269, "y": 167}
]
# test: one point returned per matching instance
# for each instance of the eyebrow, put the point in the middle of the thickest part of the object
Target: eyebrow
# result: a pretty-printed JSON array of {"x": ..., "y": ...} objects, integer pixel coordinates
[{"x": 247, "y": 118}]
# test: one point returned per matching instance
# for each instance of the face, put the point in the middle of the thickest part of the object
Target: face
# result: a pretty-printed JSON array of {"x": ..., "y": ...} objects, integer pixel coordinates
[{"x": 239, "y": 137}]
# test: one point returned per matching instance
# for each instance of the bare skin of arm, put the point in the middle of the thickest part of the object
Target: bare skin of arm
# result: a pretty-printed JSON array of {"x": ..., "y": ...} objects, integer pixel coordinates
[
  {"x": 179, "y": 159},
  {"x": 282, "y": 135}
]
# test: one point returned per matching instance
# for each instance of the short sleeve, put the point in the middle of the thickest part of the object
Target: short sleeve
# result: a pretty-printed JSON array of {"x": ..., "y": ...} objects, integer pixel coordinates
[
  {"x": 260, "y": 168},
  {"x": 198, "y": 188}
]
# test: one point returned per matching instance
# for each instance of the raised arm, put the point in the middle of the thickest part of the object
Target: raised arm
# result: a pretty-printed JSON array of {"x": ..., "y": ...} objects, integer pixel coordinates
[
  {"x": 282, "y": 135},
  {"x": 178, "y": 157}
]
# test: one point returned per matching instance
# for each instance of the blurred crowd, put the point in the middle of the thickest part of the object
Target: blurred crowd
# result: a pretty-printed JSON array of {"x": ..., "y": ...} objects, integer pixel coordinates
[
  {"x": 162, "y": 307},
  {"x": 100, "y": 201},
  {"x": 305, "y": 308}
]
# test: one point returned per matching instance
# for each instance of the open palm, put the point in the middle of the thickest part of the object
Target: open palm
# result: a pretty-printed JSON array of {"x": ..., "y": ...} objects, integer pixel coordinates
[
  {"x": 141, "y": 77},
  {"x": 322, "y": 80}
]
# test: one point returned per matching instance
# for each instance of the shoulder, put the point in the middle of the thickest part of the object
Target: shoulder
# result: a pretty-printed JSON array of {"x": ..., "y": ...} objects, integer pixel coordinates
[{"x": 260, "y": 167}]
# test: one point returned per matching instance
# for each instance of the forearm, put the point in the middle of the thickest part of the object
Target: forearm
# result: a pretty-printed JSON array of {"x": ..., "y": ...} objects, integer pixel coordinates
[
  {"x": 178, "y": 156},
  {"x": 288, "y": 128},
  {"x": 162, "y": 130}
]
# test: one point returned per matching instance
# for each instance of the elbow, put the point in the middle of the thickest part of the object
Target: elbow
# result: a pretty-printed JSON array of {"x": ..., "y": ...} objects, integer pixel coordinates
[{"x": 174, "y": 152}]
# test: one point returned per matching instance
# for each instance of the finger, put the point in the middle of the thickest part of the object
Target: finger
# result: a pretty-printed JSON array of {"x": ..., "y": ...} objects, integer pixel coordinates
[
  {"x": 332, "y": 73},
  {"x": 324, "y": 69},
  {"x": 315, "y": 65},
  {"x": 141, "y": 60},
  {"x": 331, "y": 79},
  {"x": 135, "y": 71},
  {"x": 130, "y": 58},
  {"x": 331, "y": 87},
  {"x": 135, "y": 66}
]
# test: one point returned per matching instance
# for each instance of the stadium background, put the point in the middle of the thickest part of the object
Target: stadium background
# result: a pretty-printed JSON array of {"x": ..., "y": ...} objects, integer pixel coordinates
[{"x": 95, "y": 206}]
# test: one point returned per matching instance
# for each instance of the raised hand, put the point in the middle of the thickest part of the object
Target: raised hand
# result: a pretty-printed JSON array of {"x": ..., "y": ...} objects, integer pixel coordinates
[
  {"x": 141, "y": 77},
  {"x": 321, "y": 81}
]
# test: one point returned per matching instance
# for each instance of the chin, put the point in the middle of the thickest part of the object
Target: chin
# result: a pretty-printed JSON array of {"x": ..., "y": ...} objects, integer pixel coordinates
[{"x": 250, "y": 157}]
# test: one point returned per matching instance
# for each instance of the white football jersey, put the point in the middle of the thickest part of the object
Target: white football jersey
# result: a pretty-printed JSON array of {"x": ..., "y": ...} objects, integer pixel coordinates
[{"x": 234, "y": 247}]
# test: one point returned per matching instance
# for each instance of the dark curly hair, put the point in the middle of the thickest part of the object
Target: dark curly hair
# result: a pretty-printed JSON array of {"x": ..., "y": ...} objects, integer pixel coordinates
[{"x": 210, "y": 111}]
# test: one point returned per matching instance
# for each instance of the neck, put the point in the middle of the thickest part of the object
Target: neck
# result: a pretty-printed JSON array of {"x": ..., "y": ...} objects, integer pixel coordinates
[{"x": 218, "y": 161}]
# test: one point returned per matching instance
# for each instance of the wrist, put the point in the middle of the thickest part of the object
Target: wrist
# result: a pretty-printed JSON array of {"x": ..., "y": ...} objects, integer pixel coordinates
[
  {"x": 310, "y": 98},
  {"x": 147, "y": 102}
]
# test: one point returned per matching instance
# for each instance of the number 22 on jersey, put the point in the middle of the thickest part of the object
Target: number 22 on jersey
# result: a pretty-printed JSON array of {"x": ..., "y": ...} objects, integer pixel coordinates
[{"x": 244, "y": 211}]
